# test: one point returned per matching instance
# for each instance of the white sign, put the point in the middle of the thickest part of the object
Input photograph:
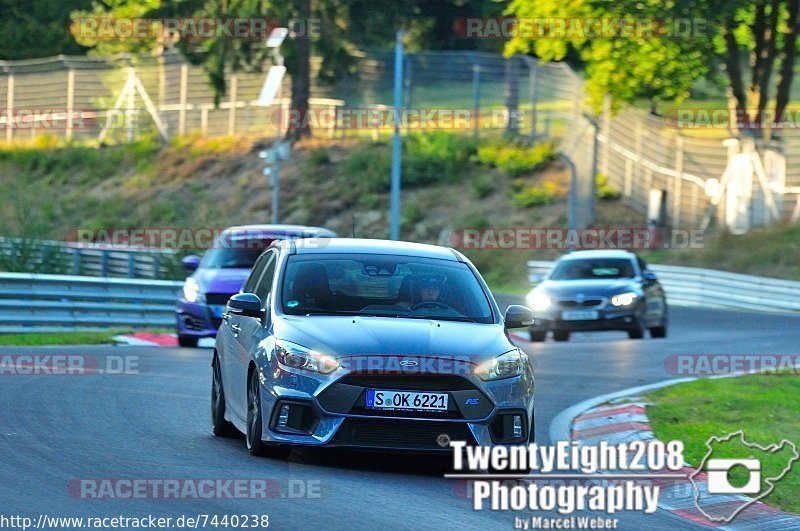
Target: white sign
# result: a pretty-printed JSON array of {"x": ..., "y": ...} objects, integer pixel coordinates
[{"x": 272, "y": 83}]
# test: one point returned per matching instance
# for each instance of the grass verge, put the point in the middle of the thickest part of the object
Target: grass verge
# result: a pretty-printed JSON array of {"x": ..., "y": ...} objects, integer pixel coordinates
[
  {"x": 765, "y": 407},
  {"x": 36, "y": 339}
]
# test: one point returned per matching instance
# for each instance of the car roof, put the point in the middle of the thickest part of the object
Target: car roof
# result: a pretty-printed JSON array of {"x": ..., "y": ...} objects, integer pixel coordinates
[
  {"x": 369, "y": 246},
  {"x": 266, "y": 230},
  {"x": 599, "y": 253}
]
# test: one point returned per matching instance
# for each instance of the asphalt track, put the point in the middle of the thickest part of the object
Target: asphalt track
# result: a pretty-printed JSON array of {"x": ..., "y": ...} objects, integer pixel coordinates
[{"x": 154, "y": 424}]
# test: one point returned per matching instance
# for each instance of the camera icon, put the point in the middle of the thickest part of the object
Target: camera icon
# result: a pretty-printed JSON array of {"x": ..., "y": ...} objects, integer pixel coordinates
[{"x": 719, "y": 476}]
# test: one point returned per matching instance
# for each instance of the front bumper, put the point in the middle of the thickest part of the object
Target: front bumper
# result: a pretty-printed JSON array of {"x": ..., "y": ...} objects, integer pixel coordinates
[
  {"x": 197, "y": 319},
  {"x": 336, "y": 415},
  {"x": 608, "y": 318}
]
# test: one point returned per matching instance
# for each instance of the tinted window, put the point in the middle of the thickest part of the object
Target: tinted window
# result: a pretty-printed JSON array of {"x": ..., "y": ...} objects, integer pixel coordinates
[
  {"x": 593, "y": 268},
  {"x": 386, "y": 286},
  {"x": 224, "y": 258},
  {"x": 255, "y": 274},
  {"x": 265, "y": 284}
]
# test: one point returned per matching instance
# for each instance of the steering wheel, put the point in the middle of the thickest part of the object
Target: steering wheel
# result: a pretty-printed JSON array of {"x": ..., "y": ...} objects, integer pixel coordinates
[{"x": 430, "y": 304}]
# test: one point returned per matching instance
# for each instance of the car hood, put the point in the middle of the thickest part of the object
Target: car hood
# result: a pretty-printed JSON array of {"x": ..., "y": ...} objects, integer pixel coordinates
[
  {"x": 571, "y": 288},
  {"x": 221, "y": 280},
  {"x": 354, "y": 337}
]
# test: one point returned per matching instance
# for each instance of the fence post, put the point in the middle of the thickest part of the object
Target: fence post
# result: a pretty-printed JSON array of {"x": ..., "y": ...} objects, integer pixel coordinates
[
  {"x": 157, "y": 266},
  {"x": 76, "y": 261},
  {"x": 131, "y": 265},
  {"x": 476, "y": 99},
  {"x": 605, "y": 132},
  {"x": 130, "y": 107},
  {"x": 533, "y": 75},
  {"x": 182, "y": 99},
  {"x": 104, "y": 263},
  {"x": 10, "y": 108},
  {"x": 677, "y": 181},
  {"x": 70, "y": 103},
  {"x": 232, "y": 101}
]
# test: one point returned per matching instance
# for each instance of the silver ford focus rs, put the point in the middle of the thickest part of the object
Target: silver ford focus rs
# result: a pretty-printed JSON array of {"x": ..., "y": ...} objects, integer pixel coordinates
[{"x": 369, "y": 344}]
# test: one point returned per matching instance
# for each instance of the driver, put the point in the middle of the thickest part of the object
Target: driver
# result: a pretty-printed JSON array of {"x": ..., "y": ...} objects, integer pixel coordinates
[{"x": 424, "y": 288}]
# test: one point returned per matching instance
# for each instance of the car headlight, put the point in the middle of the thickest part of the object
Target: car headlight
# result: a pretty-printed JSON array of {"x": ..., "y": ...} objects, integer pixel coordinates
[
  {"x": 299, "y": 357},
  {"x": 506, "y": 365},
  {"x": 623, "y": 299},
  {"x": 538, "y": 301},
  {"x": 191, "y": 290}
]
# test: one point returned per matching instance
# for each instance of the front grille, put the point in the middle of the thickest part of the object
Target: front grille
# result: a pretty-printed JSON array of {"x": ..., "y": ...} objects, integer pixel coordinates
[
  {"x": 409, "y": 382},
  {"x": 218, "y": 298},
  {"x": 588, "y": 303},
  {"x": 404, "y": 434}
]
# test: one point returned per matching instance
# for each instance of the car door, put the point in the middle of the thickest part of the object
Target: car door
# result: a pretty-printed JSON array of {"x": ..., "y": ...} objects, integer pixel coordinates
[
  {"x": 653, "y": 293},
  {"x": 228, "y": 347},
  {"x": 246, "y": 331}
]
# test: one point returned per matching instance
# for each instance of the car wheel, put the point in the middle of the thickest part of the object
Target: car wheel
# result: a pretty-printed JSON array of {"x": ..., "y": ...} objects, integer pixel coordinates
[
  {"x": 561, "y": 335},
  {"x": 221, "y": 427},
  {"x": 658, "y": 332},
  {"x": 187, "y": 341},
  {"x": 637, "y": 332},
  {"x": 537, "y": 336},
  {"x": 254, "y": 429}
]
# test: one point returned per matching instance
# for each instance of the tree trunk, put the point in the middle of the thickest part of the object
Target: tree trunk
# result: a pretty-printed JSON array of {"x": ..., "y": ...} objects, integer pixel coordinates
[
  {"x": 301, "y": 78},
  {"x": 512, "y": 95},
  {"x": 762, "y": 75},
  {"x": 734, "y": 69},
  {"x": 787, "y": 60}
]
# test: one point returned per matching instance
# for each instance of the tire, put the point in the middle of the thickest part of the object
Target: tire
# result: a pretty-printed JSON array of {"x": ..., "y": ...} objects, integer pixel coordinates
[
  {"x": 537, "y": 336},
  {"x": 637, "y": 332},
  {"x": 187, "y": 341},
  {"x": 561, "y": 335},
  {"x": 254, "y": 433},
  {"x": 220, "y": 426},
  {"x": 658, "y": 332}
]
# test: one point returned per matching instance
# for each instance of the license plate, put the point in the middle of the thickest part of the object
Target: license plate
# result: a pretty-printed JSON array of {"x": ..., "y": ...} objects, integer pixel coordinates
[
  {"x": 406, "y": 400},
  {"x": 217, "y": 310},
  {"x": 580, "y": 315}
]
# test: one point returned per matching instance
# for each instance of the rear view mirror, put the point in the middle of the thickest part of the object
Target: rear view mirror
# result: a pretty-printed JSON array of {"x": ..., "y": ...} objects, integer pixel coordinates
[
  {"x": 246, "y": 305},
  {"x": 518, "y": 316},
  {"x": 648, "y": 275},
  {"x": 191, "y": 262}
]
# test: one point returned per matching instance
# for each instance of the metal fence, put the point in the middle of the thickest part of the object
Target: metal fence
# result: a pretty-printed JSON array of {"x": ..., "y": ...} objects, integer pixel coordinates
[
  {"x": 85, "y": 98},
  {"x": 707, "y": 288},
  {"x": 45, "y": 256},
  {"x": 46, "y": 303}
]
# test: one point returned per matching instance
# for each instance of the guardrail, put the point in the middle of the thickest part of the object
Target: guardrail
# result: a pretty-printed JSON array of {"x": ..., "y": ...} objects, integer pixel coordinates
[
  {"x": 21, "y": 254},
  {"x": 46, "y": 303},
  {"x": 707, "y": 288}
]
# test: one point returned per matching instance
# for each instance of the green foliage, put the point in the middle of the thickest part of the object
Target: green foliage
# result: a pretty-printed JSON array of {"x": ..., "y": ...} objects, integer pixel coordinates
[
  {"x": 516, "y": 159},
  {"x": 531, "y": 196},
  {"x": 605, "y": 191},
  {"x": 482, "y": 186},
  {"x": 437, "y": 156},
  {"x": 40, "y": 28},
  {"x": 319, "y": 157}
]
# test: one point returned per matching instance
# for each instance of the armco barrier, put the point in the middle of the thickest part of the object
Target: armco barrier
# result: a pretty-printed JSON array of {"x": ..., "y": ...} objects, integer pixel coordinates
[
  {"x": 33, "y": 302},
  {"x": 707, "y": 288}
]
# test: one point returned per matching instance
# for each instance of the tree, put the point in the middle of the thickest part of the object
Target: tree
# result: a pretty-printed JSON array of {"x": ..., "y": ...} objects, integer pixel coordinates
[
  {"x": 662, "y": 64},
  {"x": 30, "y": 30}
]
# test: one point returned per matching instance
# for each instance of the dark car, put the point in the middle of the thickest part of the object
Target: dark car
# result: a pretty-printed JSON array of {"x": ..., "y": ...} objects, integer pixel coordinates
[
  {"x": 369, "y": 344},
  {"x": 221, "y": 273},
  {"x": 598, "y": 290}
]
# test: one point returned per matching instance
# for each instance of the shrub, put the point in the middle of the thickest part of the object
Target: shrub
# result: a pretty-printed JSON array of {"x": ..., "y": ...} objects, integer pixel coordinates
[
  {"x": 482, "y": 187},
  {"x": 516, "y": 159},
  {"x": 534, "y": 195},
  {"x": 319, "y": 157},
  {"x": 605, "y": 191}
]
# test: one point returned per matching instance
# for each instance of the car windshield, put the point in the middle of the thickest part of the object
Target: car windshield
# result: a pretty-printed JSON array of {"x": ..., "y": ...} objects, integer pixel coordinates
[
  {"x": 593, "y": 268},
  {"x": 384, "y": 286},
  {"x": 235, "y": 253}
]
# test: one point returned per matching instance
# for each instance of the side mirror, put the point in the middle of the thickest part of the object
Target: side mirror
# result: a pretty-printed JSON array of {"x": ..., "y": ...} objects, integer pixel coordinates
[
  {"x": 649, "y": 275},
  {"x": 191, "y": 262},
  {"x": 518, "y": 316},
  {"x": 535, "y": 278},
  {"x": 246, "y": 305}
]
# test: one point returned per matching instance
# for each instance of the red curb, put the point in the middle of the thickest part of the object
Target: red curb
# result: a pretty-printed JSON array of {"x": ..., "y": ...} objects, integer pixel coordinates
[
  {"x": 167, "y": 340},
  {"x": 609, "y": 429},
  {"x": 609, "y": 412}
]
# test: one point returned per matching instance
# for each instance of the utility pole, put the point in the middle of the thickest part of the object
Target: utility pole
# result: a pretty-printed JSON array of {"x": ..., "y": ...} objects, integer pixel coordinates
[{"x": 397, "y": 144}]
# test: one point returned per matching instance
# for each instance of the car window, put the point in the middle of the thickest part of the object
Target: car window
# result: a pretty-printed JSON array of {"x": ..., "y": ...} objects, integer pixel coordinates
[
  {"x": 383, "y": 285},
  {"x": 255, "y": 274},
  {"x": 593, "y": 268},
  {"x": 264, "y": 285}
]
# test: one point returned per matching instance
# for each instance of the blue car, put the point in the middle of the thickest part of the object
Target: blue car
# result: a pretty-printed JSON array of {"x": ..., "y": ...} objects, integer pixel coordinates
[
  {"x": 221, "y": 273},
  {"x": 369, "y": 344}
]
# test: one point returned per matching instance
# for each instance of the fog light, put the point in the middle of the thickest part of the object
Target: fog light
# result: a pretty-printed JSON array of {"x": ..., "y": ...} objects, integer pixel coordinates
[
  {"x": 283, "y": 417},
  {"x": 517, "y": 426}
]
